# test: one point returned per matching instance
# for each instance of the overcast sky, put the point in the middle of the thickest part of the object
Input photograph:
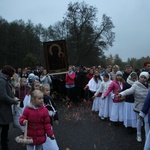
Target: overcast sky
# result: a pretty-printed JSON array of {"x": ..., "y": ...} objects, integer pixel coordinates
[{"x": 130, "y": 17}]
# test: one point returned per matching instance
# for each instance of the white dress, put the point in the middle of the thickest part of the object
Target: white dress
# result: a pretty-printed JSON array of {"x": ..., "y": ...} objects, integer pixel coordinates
[
  {"x": 93, "y": 86},
  {"x": 117, "y": 111},
  {"x": 105, "y": 104},
  {"x": 130, "y": 117}
]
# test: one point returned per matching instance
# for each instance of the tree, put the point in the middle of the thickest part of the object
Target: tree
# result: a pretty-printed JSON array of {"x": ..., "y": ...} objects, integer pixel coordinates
[
  {"x": 118, "y": 61},
  {"x": 41, "y": 32},
  {"x": 3, "y": 41},
  {"x": 17, "y": 39},
  {"x": 109, "y": 60},
  {"x": 29, "y": 60},
  {"x": 138, "y": 63},
  {"x": 85, "y": 40}
]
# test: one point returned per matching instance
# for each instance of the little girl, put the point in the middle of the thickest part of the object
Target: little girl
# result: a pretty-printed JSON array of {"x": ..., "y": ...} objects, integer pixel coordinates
[
  {"x": 93, "y": 85},
  {"x": 70, "y": 85},
  {"x": 37, "y": 117},
  {"x": 117, "y": 106},
  {"x": 35, "y": 85},
  {"x": 22, "y": 90},
  {"x": 105, "y": 104},
  {"x": 49, "y": 103},
  {"x": 130, "y": 119},
  {"x": 45, "y": 78},
  {"x": 53, "y": 114}
]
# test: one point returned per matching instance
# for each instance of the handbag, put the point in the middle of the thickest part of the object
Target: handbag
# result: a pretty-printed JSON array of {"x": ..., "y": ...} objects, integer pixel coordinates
[
  {"x": 17, "y": 112},
  {"x": 50, "y": 144},
  {"x": 26, "y": 101},
  {"x": 24, "y": 139}
]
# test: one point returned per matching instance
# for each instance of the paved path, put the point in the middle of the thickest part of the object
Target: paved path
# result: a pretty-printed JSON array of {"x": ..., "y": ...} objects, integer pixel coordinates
[{"x": 80, "y": 129}]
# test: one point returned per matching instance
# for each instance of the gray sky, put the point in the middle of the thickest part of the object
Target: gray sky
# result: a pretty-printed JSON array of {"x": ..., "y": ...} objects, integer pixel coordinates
[{"x": 130, "y": 17}]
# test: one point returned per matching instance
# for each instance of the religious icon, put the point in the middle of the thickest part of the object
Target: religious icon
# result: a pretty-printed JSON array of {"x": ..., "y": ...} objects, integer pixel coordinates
[{"x": 56, "y": 56}]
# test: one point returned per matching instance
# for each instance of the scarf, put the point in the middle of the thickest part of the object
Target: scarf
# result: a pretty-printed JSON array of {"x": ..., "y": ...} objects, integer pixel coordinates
[{"x": 129, "y": 81}]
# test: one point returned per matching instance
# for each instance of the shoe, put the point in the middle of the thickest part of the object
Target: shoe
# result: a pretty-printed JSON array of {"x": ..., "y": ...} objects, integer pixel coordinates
[
  {"x": 139, "y": 138},
  {"x": 102, "y": 118}
]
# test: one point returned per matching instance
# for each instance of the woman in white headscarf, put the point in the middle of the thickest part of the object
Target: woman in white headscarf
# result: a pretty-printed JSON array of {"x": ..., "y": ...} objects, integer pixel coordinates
[{"x": 130, "y": 120}]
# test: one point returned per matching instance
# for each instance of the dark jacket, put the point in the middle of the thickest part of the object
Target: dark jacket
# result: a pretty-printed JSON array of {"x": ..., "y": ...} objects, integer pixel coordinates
[
  {"x": 128, "y": 98},
  {"x": 6, "y": 100},
  {"x": 80, "y": 80},
  {"x": 125, "y": 75}
]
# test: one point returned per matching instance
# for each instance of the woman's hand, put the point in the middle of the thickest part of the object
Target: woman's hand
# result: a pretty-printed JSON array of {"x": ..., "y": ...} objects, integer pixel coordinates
[{"x": 16, "y": 100}]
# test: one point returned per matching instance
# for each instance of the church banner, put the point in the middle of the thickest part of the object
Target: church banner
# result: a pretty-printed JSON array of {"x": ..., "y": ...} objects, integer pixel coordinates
[{"x": 56, "y": 56}]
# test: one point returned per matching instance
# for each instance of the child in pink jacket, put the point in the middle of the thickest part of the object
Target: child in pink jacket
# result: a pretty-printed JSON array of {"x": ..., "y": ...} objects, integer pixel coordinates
[
  {"x": 37, "y": 117},
  {"x": 117, "y": 106}
]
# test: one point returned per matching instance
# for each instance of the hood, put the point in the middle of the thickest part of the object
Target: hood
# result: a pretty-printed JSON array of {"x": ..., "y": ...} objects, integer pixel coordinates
[{"x": 31, "y": 106}]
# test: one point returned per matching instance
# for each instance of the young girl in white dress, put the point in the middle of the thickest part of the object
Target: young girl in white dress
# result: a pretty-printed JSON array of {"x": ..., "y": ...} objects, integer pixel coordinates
[
  {"x": 105, "y": 104},
  {"x": 35, "y": 85},
  {"x": 118, "y": 105},
  {"x": 93, "y": 85}
]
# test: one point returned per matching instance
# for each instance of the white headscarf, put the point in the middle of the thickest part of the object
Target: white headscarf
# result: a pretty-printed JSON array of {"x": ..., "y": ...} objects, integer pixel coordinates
[{"x": 129, "y": 79}]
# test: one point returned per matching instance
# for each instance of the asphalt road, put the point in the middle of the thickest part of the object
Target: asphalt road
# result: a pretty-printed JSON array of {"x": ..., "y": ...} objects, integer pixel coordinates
[{"x": 80, "y": 129}]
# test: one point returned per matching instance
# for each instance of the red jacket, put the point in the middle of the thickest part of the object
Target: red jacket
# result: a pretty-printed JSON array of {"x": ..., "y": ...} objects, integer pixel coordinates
[
  {"x": 38, "y": 124},
  {"x": 70, "y": 78}
]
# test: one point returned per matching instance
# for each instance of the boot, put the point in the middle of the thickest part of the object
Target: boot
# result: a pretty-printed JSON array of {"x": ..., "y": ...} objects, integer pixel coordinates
[{"x": 139, "y": 138}]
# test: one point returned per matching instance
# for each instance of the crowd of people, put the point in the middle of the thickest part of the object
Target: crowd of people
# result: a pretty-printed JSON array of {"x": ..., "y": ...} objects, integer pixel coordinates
[
  {"x": 119, "y": 96},
  {"x": 25, "y": 100}
]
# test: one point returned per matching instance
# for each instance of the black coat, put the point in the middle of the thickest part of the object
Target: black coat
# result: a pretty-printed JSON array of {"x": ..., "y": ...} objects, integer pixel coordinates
[
  {"x": 125, "y": 75},
  {"x": 128, "y": 98}
]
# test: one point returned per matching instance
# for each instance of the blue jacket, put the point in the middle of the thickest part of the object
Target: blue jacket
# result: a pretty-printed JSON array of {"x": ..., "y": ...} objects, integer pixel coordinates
[{"x": 146, "y": 107}]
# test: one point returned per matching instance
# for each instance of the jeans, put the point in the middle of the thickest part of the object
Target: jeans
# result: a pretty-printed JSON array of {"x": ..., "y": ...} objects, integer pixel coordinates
[{"x": 147, "y": 143}]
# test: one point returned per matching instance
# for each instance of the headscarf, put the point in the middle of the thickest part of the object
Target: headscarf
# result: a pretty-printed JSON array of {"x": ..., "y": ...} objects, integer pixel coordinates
[{"x": 129, "y": 79}]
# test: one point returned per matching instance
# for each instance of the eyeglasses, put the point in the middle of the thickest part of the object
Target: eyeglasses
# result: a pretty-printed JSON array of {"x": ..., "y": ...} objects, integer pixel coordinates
[{"x": 143, "y": 77}]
